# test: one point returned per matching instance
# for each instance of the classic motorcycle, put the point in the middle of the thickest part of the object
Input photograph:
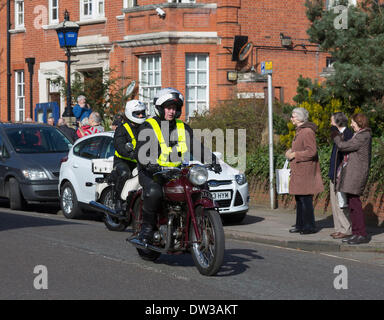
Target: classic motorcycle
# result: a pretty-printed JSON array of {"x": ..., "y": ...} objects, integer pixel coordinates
[{"x": 188, "y": 220}]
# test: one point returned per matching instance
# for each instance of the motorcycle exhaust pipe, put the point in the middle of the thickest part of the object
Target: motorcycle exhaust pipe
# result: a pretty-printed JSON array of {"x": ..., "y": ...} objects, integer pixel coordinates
[
  {"x": 104, "y": 209},
  {"x": 141, "y": 245}
]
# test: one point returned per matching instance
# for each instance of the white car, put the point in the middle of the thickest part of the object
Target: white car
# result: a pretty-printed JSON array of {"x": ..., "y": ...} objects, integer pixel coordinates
[{"x": 77, "y": 185}]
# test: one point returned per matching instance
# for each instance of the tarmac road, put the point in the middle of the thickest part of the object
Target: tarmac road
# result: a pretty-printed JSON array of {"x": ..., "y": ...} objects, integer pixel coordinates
[{"x": 84, "y": 260}]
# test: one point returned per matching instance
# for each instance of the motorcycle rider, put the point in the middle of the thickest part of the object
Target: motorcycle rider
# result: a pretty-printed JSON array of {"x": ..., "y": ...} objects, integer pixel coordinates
[
  {"x": 164, "y": 141},
  {"x": 124, "y": 141}
]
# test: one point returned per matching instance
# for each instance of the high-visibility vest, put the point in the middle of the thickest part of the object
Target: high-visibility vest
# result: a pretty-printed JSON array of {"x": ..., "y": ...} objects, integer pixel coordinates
[
  {"x": 129, "y": 130},
  {"x": 165, "y": 150}
]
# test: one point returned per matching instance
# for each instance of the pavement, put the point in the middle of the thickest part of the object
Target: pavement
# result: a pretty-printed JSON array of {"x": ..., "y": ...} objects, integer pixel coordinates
[{"x": 267, "y": 226}]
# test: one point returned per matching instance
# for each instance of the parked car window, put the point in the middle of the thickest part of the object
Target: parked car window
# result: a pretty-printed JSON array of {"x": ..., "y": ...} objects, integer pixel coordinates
[
  {"x": 3, "y": 149},
  {"x": 38, "y": 140},
  {"x": 89, "y": 148},
  {"x": 109, "y": 149}
]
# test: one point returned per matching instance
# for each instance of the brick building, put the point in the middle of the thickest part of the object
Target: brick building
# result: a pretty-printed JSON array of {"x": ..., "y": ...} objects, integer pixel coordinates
[{"x": 189, "y": 48}]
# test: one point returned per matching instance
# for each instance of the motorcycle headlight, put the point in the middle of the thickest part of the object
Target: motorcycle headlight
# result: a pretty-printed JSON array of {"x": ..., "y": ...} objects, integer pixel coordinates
[
  {"x": 35, "y": 175},
  {"x": 198, "y": 175},
  {"x": 240, "y": 179}
]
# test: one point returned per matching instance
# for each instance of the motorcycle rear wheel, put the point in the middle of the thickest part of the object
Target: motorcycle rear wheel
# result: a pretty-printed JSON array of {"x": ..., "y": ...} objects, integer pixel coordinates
[
  {"x": 112, "y": 223},
  {"x": 208, "y": 252}
]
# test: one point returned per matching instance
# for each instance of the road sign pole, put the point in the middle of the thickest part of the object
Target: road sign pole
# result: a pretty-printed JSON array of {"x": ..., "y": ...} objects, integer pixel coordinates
[{"x": 270, "y": 127}]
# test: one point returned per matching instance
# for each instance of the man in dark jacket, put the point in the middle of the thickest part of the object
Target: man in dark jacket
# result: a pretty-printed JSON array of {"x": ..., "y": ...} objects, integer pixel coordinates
[
  {"x": 342, "y": 224},
  {"x": 124, "y": 142},
  {"x": 69, "y": 132},
  {"x": 164, "y": 141}
]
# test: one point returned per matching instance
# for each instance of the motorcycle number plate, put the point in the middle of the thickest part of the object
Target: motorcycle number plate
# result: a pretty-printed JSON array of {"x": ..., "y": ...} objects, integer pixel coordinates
[{"x": 224, "y": 195}]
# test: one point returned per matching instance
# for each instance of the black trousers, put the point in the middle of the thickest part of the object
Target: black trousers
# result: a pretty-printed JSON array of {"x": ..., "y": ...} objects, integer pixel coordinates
[
  {"x": 123, "y": 172},
  {"x": 153, "y": 195},
  {"x": 305, "y": 217}
]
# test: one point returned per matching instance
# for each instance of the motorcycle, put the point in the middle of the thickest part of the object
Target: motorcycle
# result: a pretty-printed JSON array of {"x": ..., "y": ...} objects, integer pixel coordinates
[{"x": 188, "y": 220}]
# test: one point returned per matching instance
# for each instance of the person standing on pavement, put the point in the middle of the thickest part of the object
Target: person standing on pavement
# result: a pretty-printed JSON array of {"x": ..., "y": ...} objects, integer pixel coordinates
[
  {"x": 305, "y": 180},
  {"x": 342, "y": 225},
  {"x": 82, "y": 109},
  {"x": 354, "y": 173}
]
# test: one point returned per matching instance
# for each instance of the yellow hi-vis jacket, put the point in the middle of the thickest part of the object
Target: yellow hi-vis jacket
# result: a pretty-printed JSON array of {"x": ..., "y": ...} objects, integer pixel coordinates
[
  {"x": 165, "y": 150},
  {"x": 129, "y": 130}
]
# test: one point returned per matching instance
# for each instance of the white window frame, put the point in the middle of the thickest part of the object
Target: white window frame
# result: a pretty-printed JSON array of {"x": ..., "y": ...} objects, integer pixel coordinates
[
  {"x": 332, "y": 3},
  {"x": 147, "y": 90},
  {"x": 19, "y": 13},
  {"x": 19, "y": 98},
  {"x": 195, "y": 102},
  {"x": 52, "y": 9},
  {"x": 129, "y": 3},
  {"x": 183, "y": 1},
  {"x": 94, "y": 7}
]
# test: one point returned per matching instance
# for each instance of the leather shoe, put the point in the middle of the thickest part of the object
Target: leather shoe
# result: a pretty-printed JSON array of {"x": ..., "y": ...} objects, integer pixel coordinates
[
  {"x": 334, "y": 234},
  {"x": 358, "y": 240},
  {"x": 295, "y": 230},
  {"x": 310, "y": 231},
  {"x": 345, "y": 240},
  {"x": 341, "y": 236}
]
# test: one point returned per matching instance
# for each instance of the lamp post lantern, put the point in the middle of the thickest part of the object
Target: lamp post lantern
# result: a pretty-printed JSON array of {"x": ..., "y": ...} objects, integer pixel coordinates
[{"x": 67, "y": 32}]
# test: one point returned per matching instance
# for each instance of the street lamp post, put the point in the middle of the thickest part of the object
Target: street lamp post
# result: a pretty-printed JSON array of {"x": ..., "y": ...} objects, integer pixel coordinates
[{"x": 67, "y": 32}]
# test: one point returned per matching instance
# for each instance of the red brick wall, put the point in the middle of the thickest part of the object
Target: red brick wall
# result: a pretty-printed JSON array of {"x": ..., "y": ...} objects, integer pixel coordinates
[{"x": 262, "y": 21}]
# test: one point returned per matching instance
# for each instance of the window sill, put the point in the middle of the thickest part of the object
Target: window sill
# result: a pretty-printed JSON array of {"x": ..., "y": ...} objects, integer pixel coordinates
[
  {"x": 17, "y": 30},
  {"x": 91, "y": 21}
]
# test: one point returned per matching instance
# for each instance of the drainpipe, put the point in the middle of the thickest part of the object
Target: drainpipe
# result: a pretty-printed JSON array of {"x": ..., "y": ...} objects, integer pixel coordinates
[
  {"x": 31, "y": 63},
  {"x": 9, "y": 74}
]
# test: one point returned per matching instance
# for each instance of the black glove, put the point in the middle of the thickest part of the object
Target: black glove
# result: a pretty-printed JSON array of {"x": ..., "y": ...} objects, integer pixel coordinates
[
  {"x": 129, "y": 147},
  {"x": 334, "y": 132},
  {"x": 216, "y": 167},
  {"x": 153, "y": 168}
]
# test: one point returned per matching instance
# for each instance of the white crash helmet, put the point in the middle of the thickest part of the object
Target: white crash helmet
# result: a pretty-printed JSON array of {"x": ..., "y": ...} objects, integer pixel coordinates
[
  {"x": 168, "y": 96},
  {"x": 133, "y": 108}
]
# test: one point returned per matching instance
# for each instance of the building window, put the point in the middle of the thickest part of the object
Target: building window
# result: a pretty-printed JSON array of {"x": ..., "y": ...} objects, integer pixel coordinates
[
  {"x": 332, "y": 3},
  {"x": 92, "y": 9},
  {"x": 196, "y": 79},
  {"x": 129, "y": 3},
  {"x": 19, "y": 96},
  {"x": 53, "y": 11},
  {"x": 149, "y": 79},
  {"x": 19, "y": 14}
]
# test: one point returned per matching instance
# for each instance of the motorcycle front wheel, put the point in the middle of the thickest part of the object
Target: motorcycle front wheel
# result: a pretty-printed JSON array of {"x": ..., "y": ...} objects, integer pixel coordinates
[{"x": 208, "y": 251}]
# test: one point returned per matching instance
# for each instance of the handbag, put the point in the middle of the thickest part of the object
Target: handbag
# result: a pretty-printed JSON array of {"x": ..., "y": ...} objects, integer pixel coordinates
[
  {"x": 282, "y": 179},
  {"x": 342, "y": 199}
]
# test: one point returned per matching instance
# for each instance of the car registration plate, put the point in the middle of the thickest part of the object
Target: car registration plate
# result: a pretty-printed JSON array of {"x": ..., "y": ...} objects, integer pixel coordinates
[{"x": 223, "y": 195}]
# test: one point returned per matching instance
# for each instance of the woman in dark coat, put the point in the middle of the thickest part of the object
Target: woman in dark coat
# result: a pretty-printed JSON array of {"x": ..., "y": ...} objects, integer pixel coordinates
[
  {"x": 354, "y": 174},
  {"x": 305, "y": 180}
]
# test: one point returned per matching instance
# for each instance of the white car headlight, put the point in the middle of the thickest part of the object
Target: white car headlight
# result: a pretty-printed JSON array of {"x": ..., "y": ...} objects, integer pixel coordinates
[
  {"x": 240, "y": 179},
  {"x": 198, "y": 175},
  {"x": 35, "y": 174}
]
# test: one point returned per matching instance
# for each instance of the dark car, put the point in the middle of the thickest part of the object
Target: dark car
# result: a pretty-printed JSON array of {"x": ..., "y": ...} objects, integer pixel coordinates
[{"x": 30, "y": 158}]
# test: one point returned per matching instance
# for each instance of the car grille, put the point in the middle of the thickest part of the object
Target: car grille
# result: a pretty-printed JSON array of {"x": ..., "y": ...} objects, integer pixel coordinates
[{"x": 217, "y": 183}]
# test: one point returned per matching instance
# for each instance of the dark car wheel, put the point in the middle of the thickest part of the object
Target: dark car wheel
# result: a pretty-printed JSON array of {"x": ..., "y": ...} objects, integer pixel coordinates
[
  {"x": 16, "y": 200},
  {"x": 68, "y": 202}
]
